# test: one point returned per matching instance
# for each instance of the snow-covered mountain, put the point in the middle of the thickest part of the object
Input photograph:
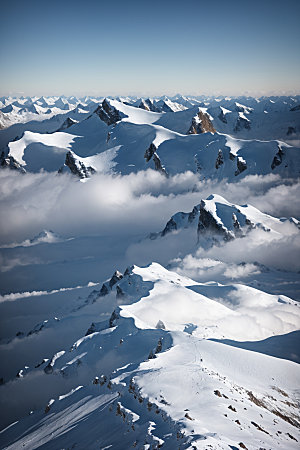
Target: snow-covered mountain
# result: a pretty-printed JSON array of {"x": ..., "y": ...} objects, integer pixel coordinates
[
  {"x": 197, "y": 350},
  {"x": 156, "y": 376},
  {"x": 215, "y": 220},
  {"x": 123, "y": 138}
]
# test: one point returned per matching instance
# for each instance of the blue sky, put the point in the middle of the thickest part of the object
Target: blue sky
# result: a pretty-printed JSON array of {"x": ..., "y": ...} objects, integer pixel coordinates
[{"x": 150, "y": 47}]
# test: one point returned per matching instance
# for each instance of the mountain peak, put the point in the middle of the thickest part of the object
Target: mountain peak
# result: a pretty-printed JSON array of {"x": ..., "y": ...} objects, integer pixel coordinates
[{"x": 108, "y": 113}]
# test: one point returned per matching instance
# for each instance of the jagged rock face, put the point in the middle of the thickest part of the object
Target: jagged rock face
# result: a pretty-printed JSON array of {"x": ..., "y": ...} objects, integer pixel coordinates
[
  {"x": 222, "y": 117},
  {"x": 151, "y": 153},
  {"x": 295, "y": 108},
  {"x": 9, "y": 162},
  {"x": 214, "y": 220},
  {"x": 241, "y": 165},
  {"x": 77, "y": 167},
  {"x": 117, "y": 276},
  {"x": 148, "y": 105},
  {"x": 157, "y": 164},
  {"x": 277, "y": 160},
  {"x": 207, "y": 223},
  {"x": 219, "y": 160},
  {"x": 107, "y": 287},
  {"x": 143, "y": 105},
  {"x": 108, "y": 113},
  {"x": 171, "y": 226},
  {"x": 241, "y": 124},
  {"x": 67, "y": 124},
  {"x": 197, "y": 164},
  {"x": 201, "y": 124},
  {"x": 193, "y": 214}
]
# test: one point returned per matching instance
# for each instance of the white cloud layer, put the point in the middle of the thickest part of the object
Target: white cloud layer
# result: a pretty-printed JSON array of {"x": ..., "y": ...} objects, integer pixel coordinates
[{"x": 135, "y": 203}]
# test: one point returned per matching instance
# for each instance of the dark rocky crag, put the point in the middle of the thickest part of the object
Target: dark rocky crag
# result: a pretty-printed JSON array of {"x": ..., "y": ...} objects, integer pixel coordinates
[
  {"x": 108, "y": 113},
  {"x": 77, "y": 167},
  {"x": 201, "y": 124}
]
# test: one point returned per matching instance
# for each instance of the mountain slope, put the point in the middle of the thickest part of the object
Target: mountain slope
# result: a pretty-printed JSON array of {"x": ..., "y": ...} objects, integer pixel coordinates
[
  {"x": 132, "y": 139},
  {"x": 151, "y": 373},
  {"x": 215, "y": 220}
]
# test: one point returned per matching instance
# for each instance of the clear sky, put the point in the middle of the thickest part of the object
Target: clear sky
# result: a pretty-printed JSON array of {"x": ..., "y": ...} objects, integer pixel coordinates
[{"x": 149, "y": 47}]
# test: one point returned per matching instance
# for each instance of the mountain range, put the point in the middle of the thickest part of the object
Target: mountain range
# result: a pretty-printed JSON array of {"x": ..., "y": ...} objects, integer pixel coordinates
[{"x": 149, "y": 272}]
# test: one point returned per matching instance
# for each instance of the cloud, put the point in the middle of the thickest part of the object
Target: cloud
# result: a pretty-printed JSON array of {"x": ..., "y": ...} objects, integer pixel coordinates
[
  {"x": 18, "y": 295},
  {"x": 126, "y": 209},
  {"x": 137, "y": 203}
]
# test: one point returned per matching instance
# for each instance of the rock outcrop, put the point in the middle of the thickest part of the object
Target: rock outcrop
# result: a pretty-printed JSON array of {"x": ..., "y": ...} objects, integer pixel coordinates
[
  {"x": 242, "y": 124},
  {"x": 67, "y": 124},
  {"x": 222, "y": 116},
  {"x": 201, "y": 123},
  {"x": 108, "y": 113},
  {"x": 213, "y": 220},
  {"x": 295, "y": 108},
  {"x": 277, "y": 160},
  {"x": 76, "y": 166},
  {"x": 241, "y": 165},
  {"x": 9, "y": 162},
  {"x": 150, "y": 153},
  {"x": 219, "y": 160},
  {"x": 148, "y": 105}
]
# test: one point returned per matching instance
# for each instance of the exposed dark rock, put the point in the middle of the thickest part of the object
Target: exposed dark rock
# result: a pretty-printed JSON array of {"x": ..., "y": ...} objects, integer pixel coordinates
[
  {"x": 92, "y": 329},
  {"x": 201, "y": 124},
  {"x": 148, "y": 105},
  {"x": 9, "y": 162},
  {"x": 207, "y": 223},
  {"x": 117, "y": 276},
  {"x": 171, "y": 226},
  {"x": 259, "y": 427},
  {"x": 77, "y": 167},
  {"x": 113, "y": 318},
  {"x": 241, "y": 165},
  {"x": 222, "y": 117},
  {"x": 236, "y": 223},
  {"x": 241, "y": 124},
  {"x": 220, "y": 159},
  {"x": 217, "y": 393},
  {"x": 143, "y": 105},
  {"x": 232, "y": 408},
  {"x": 103, "y": 290},
  {"x": 193, "y": 214},
  {"x": 108, "y": 113},
  {"x": 67, "y": 124},
  {"x": 128, "y": 271},
  {"x": 159, "y": 346},
  {"x": 160, "y": 325},
  {"x": 295, "y": 108},
  {"x": 277, "y": 160},
  {"x": 197, "y": 163},
  {"x": 158, "y": 166},
  {"x": 150, "y": 152},
  {"x": 48, "y": 369},
  {"x": 120, "y": 293}
]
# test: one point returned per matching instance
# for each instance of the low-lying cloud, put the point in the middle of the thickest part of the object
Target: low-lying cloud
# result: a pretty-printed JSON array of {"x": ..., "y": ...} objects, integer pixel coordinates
[
  {"x": 123, "y": 210},
  {"x": 135, "y": 204}
]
